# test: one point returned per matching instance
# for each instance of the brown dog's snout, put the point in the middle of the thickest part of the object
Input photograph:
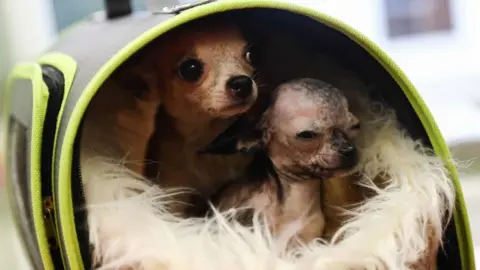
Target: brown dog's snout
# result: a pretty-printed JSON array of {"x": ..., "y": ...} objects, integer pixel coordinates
[{"x": 240, "y": 87}]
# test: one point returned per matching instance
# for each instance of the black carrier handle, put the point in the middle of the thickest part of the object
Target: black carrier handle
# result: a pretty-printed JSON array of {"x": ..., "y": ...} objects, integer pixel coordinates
[{"x": 117, "y": 8}]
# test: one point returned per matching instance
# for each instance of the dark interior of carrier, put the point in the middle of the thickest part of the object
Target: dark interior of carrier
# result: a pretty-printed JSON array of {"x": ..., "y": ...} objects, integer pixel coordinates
[{"x": 350, "y": 55}]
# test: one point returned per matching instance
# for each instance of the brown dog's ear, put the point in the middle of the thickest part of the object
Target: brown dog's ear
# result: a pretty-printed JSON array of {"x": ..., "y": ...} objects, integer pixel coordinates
[{"x": 137, "y": 74}]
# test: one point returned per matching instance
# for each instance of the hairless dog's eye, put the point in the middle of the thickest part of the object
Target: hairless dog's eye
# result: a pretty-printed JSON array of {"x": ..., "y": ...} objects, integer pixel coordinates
[
  {"x": 355, "y": 127},
  {"x": 308, "y": 134}
]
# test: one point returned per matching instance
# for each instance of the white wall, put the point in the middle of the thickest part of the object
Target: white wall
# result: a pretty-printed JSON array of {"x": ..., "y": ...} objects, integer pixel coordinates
[
  {"x": 419, "y": 53},
  {"x": 28, "y": 25},
  {"x": 26, "y": 29}
]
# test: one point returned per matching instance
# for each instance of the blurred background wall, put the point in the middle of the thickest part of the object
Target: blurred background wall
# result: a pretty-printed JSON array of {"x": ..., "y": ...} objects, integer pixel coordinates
[
  {"x": 436, "y": 42},
  {"x": 444, "y": 64},
  {"x": 26, "y": 29}
]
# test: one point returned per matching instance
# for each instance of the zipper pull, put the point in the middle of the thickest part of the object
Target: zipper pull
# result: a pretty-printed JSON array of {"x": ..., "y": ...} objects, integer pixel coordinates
[{"x": 49, "y": 219}]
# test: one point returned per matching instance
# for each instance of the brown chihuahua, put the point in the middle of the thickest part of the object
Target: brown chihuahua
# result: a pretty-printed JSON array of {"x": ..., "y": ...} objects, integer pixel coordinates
[
  {"x": 204, "y": 75},
  {"x": 306, "y": 135}
]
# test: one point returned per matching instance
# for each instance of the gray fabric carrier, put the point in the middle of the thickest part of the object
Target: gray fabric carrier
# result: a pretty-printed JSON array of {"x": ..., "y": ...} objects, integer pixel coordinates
[{"x": 92, "y": 43}]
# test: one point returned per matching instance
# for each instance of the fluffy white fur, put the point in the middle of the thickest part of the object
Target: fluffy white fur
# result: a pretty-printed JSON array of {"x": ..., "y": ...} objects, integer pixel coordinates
[{"x": 130, "y": 226}]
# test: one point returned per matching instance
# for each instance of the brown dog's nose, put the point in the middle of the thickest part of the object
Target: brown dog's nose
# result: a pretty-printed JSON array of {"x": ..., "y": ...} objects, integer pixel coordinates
[{"x": 240, "y": 86}]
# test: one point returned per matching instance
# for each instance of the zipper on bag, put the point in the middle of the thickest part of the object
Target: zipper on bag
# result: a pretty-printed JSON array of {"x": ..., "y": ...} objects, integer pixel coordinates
[{"x": 55, "y": 82}]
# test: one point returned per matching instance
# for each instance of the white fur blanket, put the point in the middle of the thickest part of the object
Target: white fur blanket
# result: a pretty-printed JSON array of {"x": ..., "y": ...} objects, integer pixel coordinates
[{"x": 388, "y": 231}]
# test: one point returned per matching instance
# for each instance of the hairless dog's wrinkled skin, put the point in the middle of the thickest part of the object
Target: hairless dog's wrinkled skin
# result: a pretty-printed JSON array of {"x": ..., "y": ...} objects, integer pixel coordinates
[{"x": 305, "y": 136}]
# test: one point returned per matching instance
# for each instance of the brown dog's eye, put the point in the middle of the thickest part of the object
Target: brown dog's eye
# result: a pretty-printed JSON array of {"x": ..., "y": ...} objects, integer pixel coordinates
[
  {"x": 191, "y": 70},
  {"x": 308, "y": 134},
  {"x": 252, "y": 55},
  {"x": 248, "y": 56}
]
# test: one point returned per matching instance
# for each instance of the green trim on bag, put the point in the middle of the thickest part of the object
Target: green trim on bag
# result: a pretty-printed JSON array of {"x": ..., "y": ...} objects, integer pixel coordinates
[
  {"x": 68, "y": 223},
  {"x": 460, "y": 215},
  {"x": 462, "y": 224},
  {"x": 33, "y": 72},
  {"x": 68, "y": 67}
]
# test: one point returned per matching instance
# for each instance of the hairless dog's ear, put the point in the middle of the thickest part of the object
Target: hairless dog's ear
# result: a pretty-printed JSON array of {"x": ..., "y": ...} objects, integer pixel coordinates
[
  {"x": 226, "y": 142},
  {"x": 256, "y": 138},
  {"x": 246, "y": 142},
  {"x": 250, "y": 142},
  {"x": 243, "y": 136}
]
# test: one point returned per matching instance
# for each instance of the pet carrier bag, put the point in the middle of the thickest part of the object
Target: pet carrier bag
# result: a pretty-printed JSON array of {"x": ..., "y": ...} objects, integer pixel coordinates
[{"x": 46, "y": 100}]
